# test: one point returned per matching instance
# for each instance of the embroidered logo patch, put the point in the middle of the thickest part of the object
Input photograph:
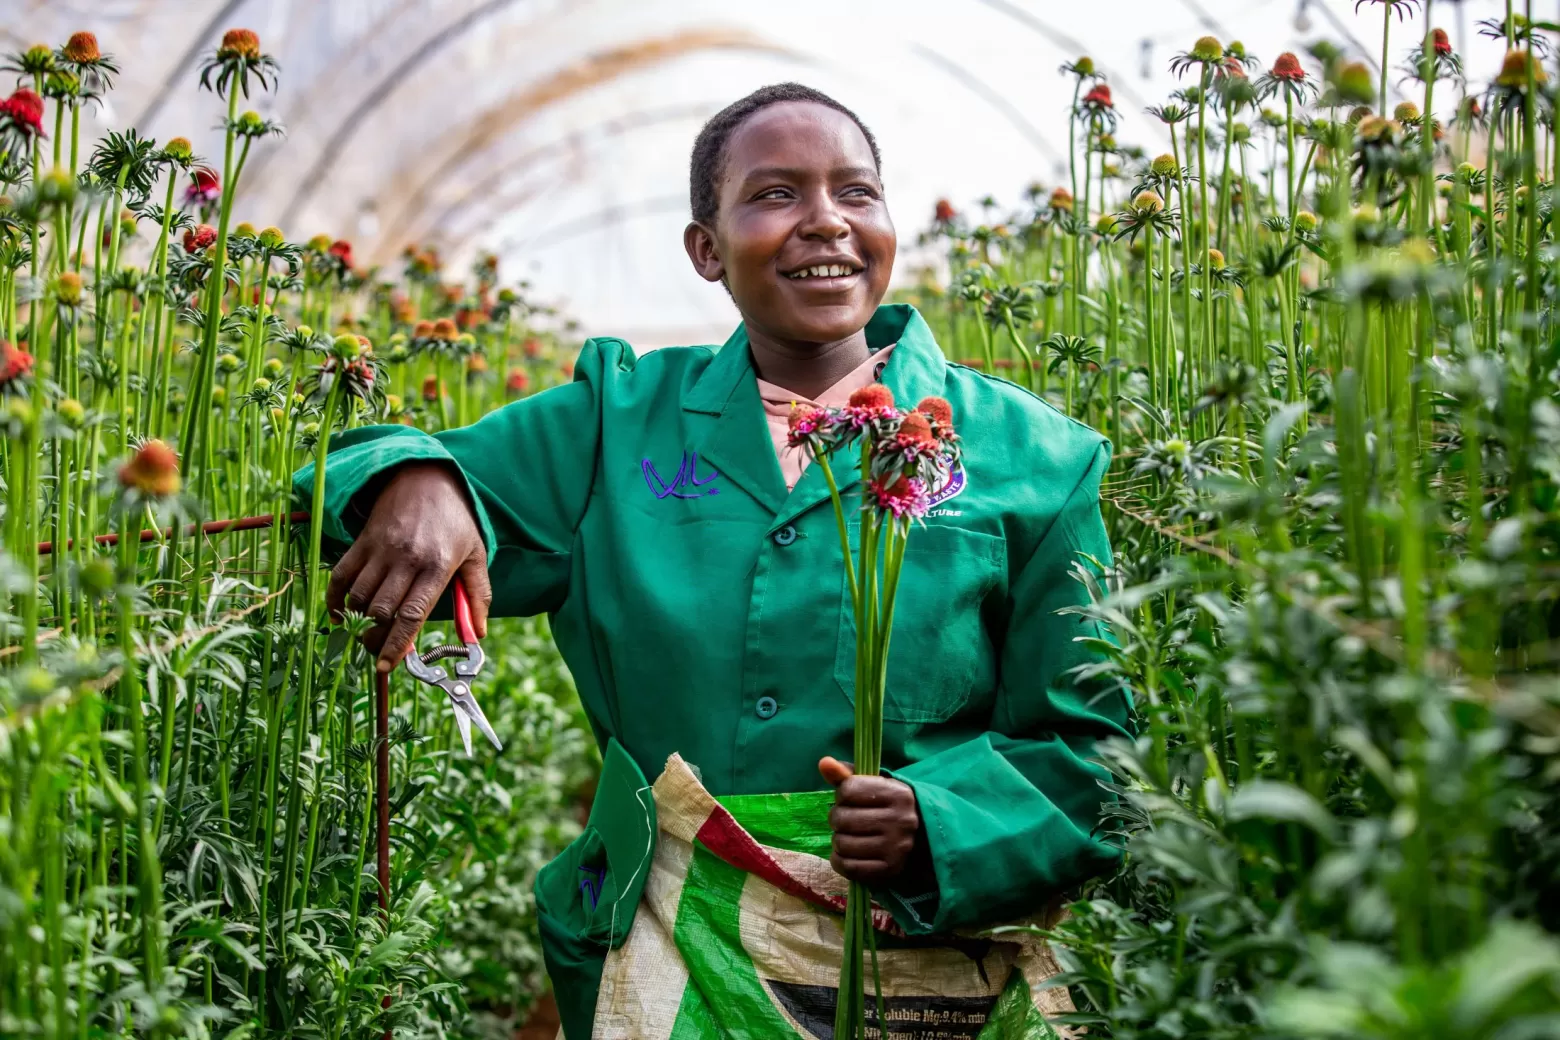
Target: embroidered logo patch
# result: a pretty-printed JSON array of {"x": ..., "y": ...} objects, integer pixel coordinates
[
  {"x": 686, "y": 484},
  {"x": 953, "y": 487}
]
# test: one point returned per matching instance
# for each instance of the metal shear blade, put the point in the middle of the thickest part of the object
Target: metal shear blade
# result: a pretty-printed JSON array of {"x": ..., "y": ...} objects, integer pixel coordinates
[{"x": 457, "y": 687}]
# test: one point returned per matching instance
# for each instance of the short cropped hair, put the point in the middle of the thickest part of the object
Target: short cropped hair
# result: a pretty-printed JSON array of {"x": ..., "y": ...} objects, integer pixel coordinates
[{"x": 708, "y": 162}]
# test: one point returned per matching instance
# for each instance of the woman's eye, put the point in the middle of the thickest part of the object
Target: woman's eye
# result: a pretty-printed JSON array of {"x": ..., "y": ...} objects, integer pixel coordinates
[{"x": 774, "y": 193}]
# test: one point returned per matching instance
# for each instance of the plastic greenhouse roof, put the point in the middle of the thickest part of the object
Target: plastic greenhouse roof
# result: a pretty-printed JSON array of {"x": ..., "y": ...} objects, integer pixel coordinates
[{"x": 556, "y": 133}]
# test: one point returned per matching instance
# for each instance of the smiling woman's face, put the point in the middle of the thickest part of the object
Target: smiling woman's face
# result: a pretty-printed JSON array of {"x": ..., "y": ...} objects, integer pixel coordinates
[{"x": 802, "y": 237}]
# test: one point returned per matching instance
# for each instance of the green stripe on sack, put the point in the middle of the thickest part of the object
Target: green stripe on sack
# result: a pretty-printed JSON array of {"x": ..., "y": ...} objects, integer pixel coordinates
[
  {"x": 794, "y": 822},
  {"x": 725, "y": 997}
]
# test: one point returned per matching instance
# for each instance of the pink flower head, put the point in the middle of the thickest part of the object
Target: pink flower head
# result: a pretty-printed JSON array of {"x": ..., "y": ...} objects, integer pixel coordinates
[
  {"x": 1098, "y": 97},
  {"x": 25, "y": 110},
  {"x": 872, "y": 403},
  {"x": 805, "y": 423},
  {"x": 905, "y": 497},
  {"x": 205, "y": 187},
  {"x": 1287, "y": 68}
]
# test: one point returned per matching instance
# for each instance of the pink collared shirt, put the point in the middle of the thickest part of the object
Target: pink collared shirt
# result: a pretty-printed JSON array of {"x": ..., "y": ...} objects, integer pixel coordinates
[{"x": 777, "y": 410}]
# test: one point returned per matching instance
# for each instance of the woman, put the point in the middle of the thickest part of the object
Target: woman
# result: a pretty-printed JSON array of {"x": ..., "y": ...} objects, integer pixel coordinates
[{"x": 692, "y": 568}]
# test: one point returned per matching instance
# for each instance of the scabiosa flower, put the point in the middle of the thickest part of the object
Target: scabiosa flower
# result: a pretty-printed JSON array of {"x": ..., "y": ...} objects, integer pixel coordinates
[
  {"x": 1514, "y": 71},
  {"x": 422, "y": 330},
  {"x": 81, "y": 49},
  {"x": 940, "y": 413},
  {"x": 341, "y": 249},
  {"x": 1062, "y": 200},
  {"x": 152, "y": 471},
  {"x": 15, "y": 365},
  {"x": 1147, "y": 202},
  {"x": 445, "y": 331},
  {"x": 1098, "y": 97},
  {"x": 808, "y": 427},
  {"x": 872, "y": 403},
  {"x": 1354, "y": 84},
  {"x": 205, "y": 187},
  {"x": 1207, "y": 50},
  {"x": 906, "y": 497},
  {"x": 1305, "y": 221},
  {"x": 944, "y": 213},
  {"x": 518, "y": 381},
  {"x": 1440, "y": 42},
  {"x": 199, "y": 238},
  {"x": 23, "y": 112}
]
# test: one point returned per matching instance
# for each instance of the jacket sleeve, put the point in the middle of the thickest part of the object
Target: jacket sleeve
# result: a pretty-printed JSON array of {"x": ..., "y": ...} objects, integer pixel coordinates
[
  {"x": 528, "y": 469},
  {"x": 1010, "y": 817}
]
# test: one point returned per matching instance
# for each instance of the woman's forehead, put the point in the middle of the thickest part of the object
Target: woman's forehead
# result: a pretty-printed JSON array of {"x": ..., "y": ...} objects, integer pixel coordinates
[{"x": 797, "y": 134}]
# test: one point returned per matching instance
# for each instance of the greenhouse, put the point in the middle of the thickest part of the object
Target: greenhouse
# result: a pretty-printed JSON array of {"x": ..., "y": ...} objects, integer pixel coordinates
[{"x": 998, "y": 520}]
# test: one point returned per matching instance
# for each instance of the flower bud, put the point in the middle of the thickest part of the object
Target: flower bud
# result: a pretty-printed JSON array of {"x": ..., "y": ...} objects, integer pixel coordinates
[
  {"x": 310, "y": 429},
  {"x": 57, "y": 187},
  {"x": 1148, "y": 202},
  {"x": 179, "y": 148},
  {"x": 245, "y": 230},
  {"x": 1355, "y": 85},
  {"x": 394, "y": 405},
  {"x": 271, "y": 238},
  {"x": 944, "y": 212},
  {"x": 445, "y": 330},
  {"x": 199, "y": 237},
  {"x": 1216, "y": 259},
  {"x": 873, "y": 395},
  {"x": 399, "y": 354},
  {"x": 218, "y": 396},
  {"x": 319, "y": 244},
  {"x": 153, "y": 470},
  {"x": 1406, "y": 112},
  {"x": 1163, "y": 166},
  {"x": 1207, "y": 50},
  {"x": 466, "y": 339},
  {"x": 97, "y": 576},
  {"x": 1305, "y": 220},
  {"x": 240, "y": 44},
  {"x": 227, "y": 363},
  {"x": 430, "y": 388},
  {"x": 68, "y": 289},
  {"x": 346, "y": 347},
  {"x": 251, "y": 123},
  {"x": 278, "y": 418},
  {"x": 260, "y": 385},
  {"x": 305, "y": 332},
  {"x": 1084, "y": 66},
  {"x": 1061, "y": 199},
  {"x": 71, "y": 413}
]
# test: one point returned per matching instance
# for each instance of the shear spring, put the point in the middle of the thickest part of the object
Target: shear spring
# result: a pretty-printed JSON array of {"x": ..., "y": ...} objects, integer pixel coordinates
[{"x": 439, "y": 653}]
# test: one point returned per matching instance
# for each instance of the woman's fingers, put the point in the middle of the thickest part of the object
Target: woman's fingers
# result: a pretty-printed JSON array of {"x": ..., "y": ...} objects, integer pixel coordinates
[
  {"x": 366, "y": 584},
  {"x": 410, "y": 615},
  {"x": 867, "y": 871},
  {"x": 344, "y": 574},
  {"x": 844, "y": 819},
  {"x": 392, "y": 590},
  {"x": 479, "y": 590}
]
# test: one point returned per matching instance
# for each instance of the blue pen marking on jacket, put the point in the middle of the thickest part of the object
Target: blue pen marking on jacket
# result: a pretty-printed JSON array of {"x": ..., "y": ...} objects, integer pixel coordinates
[
  {"x": 592, "y": 882},
  {"x": 679, "y": 487}
]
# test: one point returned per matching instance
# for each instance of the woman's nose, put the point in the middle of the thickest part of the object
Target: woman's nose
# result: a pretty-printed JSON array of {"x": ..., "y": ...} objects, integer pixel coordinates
[{"x": 823, "y": 219}]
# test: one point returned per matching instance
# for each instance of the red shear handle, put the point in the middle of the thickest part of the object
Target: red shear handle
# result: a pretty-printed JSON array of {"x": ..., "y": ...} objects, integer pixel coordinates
[{"x": 464, "y": 629}]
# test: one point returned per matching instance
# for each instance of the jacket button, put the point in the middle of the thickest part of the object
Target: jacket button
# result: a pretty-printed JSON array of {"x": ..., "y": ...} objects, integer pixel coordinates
[
  {"x": 786, "y": 535},
  {"x": 766, "y": 707}
]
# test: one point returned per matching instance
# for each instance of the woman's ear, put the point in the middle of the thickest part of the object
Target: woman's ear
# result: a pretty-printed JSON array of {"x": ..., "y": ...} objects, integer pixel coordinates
[{"x": 702, "y": 250}]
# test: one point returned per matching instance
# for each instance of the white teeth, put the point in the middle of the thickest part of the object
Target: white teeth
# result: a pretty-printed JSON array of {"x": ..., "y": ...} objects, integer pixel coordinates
[{"x": 823, "y": 271}]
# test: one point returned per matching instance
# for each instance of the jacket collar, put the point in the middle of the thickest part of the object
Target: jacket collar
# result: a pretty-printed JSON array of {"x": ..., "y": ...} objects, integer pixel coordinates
[{"x": 738, "y": 442}]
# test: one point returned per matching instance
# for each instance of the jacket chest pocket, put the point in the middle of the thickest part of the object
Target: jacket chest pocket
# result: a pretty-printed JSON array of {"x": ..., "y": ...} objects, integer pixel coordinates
[{"x": 939, "y": 651}]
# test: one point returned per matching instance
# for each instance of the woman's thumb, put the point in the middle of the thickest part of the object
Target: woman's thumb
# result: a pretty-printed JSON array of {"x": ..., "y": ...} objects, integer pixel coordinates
[{"x": 834, "y": 771}]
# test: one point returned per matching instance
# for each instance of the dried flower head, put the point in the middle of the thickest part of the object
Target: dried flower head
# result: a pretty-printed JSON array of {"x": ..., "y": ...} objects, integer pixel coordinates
[
  {"x": 153, "y": 471},
  {"x": 81, "y": 48}
]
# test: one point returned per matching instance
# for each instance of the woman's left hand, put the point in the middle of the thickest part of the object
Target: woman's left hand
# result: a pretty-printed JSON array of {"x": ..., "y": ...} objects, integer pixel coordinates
[{"x": 876, "y": 823}]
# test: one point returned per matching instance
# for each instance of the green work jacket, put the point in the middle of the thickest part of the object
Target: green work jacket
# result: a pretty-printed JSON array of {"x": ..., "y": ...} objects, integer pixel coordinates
[{"x": 702, "y": 608}]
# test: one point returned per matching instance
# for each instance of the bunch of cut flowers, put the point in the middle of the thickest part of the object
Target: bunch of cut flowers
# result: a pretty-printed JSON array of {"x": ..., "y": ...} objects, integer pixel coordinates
[{"x": 904, "y": 457}]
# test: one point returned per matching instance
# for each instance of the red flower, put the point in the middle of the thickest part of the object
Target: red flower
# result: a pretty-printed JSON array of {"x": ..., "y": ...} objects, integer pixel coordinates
[
  {"x": 205, "y": 187},
  {"x": 938, "y": 410},
  {"x": 82, "y": 48},
  {"x": 1438, "y": 40},
  {"x": 916, "y": 430},
  {"x": 1288, "y": 68},
  {"x": 469, "y": 318},
  {"x": 1098, "y": 97},
  {"x": 805, "y": 421},
  {"x": 153, "y": 470},
  {"x": 14, "y": 363},
  {"x": 199, "y": 237},
  {"x": 25, "y": 110},
  {"x": 945, "y": 211},
  {"x": 517, "y": 381},
  {"x": 341, "y": 249},
  {"x": 444, "y": 329},
  {"x": 422, "y": 330},
  {"x": 239, "y": 43},
  {"x": 873, "y": 395},
  {"x": 430, "y": 388},
  {"x": 533, "y": 348}
]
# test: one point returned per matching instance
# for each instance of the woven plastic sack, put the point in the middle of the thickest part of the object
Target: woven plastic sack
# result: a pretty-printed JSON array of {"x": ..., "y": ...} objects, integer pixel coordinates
[{"x": 738, "y": 935}]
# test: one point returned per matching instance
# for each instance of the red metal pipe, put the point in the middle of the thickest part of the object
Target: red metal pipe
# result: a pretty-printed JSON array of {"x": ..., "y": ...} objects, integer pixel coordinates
[{"x": 248, "y": 523}]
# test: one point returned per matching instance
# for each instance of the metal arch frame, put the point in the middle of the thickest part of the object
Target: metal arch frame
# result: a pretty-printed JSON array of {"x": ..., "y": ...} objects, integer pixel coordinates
[
  {"x": 462, "y": 144},
  {"x": 994, "y": 98},
  {"x": 617, "y": 126},
  {"x": 184, "y": 65},
  {"x": 337, "y": 138},
  {"x": 1060, "y": 40}
]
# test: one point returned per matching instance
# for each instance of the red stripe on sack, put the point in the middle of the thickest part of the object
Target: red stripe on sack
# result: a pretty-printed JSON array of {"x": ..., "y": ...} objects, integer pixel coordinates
[{"x": 722, "y": 835}]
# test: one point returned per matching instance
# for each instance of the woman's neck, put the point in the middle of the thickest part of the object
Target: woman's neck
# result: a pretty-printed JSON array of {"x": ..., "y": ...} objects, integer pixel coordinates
[{"x": 807, "y": 369}]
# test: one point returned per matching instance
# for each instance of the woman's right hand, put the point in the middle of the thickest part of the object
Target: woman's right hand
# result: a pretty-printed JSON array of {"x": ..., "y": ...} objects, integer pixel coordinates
[{"x": 420, "y": 534}]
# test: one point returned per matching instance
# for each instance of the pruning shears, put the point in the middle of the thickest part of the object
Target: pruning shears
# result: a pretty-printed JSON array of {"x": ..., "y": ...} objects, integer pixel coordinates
[{"x": 458, "y": 686}]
